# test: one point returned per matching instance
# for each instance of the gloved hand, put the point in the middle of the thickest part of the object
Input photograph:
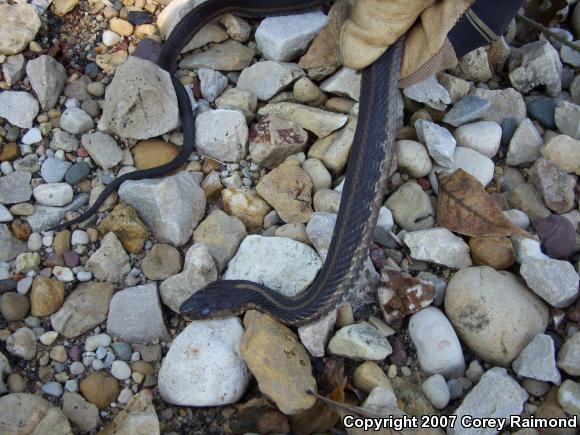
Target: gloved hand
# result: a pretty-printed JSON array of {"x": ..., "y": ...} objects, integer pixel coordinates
[{"x": 438, "y": 32}]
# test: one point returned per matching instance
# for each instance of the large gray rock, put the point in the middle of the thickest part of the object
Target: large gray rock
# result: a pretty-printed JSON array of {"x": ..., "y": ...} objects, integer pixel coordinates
[
  {"x": 483, "y": 306},
  {"x": 45, "y": 217},
  {"x": 140, "y": 102},
  {"x": 282, "y": 264},
  {"x": 505, "y": 103},
  {"x": 135, "y": 315},
  {"x": 15, "y": 187},
  {"x": 171, "y": 206},
  {"x": 411, "y": 207},
  {"x": 555, "y": 281},
  {"x": 536, "y": 64},
  {"x": 76, "y": 121},
  {"x": 21, "y": 413},
  {"x": 266, "y": 79},
  {"x": 102, "y": 148},
  {"x": 286, "y": 37},
  {"x": 47, "y": 78},
  {"x": 10, "y": 246},
  {"x": 18, "y": 26},
  {"x": 482, "y": 136},
  {"x": 215, "y": 374},
  {"x": 18, "y": 108},
  {"x": 566, "y": 116},
  {"x": 538, "y": 360},
  {"x": 198, "y": 270},
  {"x": 496, "y": 395}
]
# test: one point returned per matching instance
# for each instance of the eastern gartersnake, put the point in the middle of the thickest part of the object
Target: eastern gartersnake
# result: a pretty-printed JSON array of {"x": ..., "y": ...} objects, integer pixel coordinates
[{"x": 362, "y": 194}]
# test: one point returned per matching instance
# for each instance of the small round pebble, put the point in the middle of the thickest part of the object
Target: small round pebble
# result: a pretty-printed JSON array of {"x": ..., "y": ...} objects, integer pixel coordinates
[
  {"x": 101, "y": 352},
  {"x": 71, "y": 386},
  {"x": 24, "y": 285},
  {"x": 34, "y": 242},
  {"x": 97, "y": 365},
  {"x": 52, "y": 389},
  {"x": 93, "y": 342},
  {"x": 79, "y": 237},
  {"x": 77, "y": 172},
  {"x": 84, "y": 276},
  {"x": 122, "y": 350},
  {"x": 76, "y": 368},
  {"x": 48, "y": 337},
  {"x": 111, "y": 38},
  {"x": 121, "y": 370},
  {"x": 436, "y": 391},
  {"x": 125, "y": 396}
]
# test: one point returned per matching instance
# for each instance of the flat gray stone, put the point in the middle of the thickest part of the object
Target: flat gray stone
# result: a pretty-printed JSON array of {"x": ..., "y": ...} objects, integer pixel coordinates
[
  {"x": 103, "y": 149},
  {"x": 430, "y": 92},
  {"x": 360, "y": 341},
  {"x": 345, "y": 82},
  {"x": 45, "y": 217},
  {"x": 10, "y": 246},
  {"x": 470, "y": 108},
  {"x": 439, "y": 141},
  {"x": 110, "y": 262},
  {"x": 536, "y": 64},
  {"x": 18, "y": 26},
  {"x": 15, "y": 187},
  {"x": 75, "y": 121},
  {"x": 538, "y": 360},
  {"x": 135, "y": 315},
  {"x": 505, "y": 103},
  {"x": 567, "y": 116},
  {"x": 569, "y": 355},
  {"x": 555, "y": 281},
  {"x": 439, "y": 246},
  {"x": 13, "y": 68},
  {"x": 222, "y": 134},
  {"x": 47, "y": 78},
  {"x": 266, "y": 79},
  {"x": 53, "y": 169},
  {"x": 18, "y": 108}
]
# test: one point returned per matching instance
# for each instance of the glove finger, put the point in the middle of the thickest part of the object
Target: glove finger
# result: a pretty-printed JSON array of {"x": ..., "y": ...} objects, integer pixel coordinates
[{"x": 373, "y": 25}]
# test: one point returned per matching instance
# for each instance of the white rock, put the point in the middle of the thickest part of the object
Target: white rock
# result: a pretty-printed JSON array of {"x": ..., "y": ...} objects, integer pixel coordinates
[
  {"x": 438, "y": 348},
  {"x": 436, "y": 390},
  {"x": 430, "y": 92},
  {"x": 13, "y": 68},
  {"x": 53, "y": 194},
  {"x": 518, "y": 217},
  {"x": 384, "y": 226},
  {"x": 483, "y": 137},
  {"x": 110, "y": 262},
  {"x": 102, "y": 148},
  {"x": 282, "y": 264},
  {"x": 121, "y": 370},
  {"x": 79, "y": 237},
  {"x": 496, "y": 395},
  {"x": 555, "y": 281},
  {"x": 538, "y": 360},
  {"x": 360, "y": 341},
  {"x": 61, "y": 140},
  {"x": 439, "y": 246},
  {"x": 135, "y": 315},
  {"x": 345, "y": 82},
  {"x": 438, "y": 140},
  {"x": 199, "y": 270},
  {"x": 412, "y": 158},
  {"x": 93, "y": 342},
  {"x": 266, "y": 79},
  {"x": 75, "y": 121},
  {"x": 569, "y": 397},
  {"x": 212, "y": 83},
  {"x": 569, "y": 355},
  {"x": 140, "y": 102},
  {"x": 524, "y": 146},
  {"x": 483, "y": 306},
  {"x": 203, "y": 366},
  {"x": 171, "y": 206},
  {"x": 5, "y": 215},
  {"x": 18, "y": 26},
  {"x": 47, "y": 78},
  {"x": 32, "y": 136},
  {"x": 314, "y": 335},
  {"x": 48, "y": 338},
  {"x": 222, "y": 134},
  {"x": 472, "y": 162},
  {"x": 18, "y": 108},
  {"x": 286, "y": 37},
  {"x": 527, "y": 249},
  {"x": 110, "y": 38}
]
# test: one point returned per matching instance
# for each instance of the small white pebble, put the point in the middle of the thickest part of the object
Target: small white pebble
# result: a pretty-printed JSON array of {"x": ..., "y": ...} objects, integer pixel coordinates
[
  {"x": 59, "y": 154},
  {"x": 84, "y": 276},
  {"x": 79, "y": 237},
  {"x": 436, "y": 391},
  {"x": 76, "y": 368},
  {"x": 101, "y": 352},
  {"x": 63, "y": 274},
  {"x": 121, "y": 370},
  {"x": 71, "y": 386},
  {"x": 48, "y": 337},
  {"x": 6, "y": 168},
  {"x": 34, "y": 242},
  {"x": 32, "y": 136},
  {"x": 392, "y": 371},
  {"x": 97, "y": 364},
  {"x": 135, "y": 356},
  {"x": 47, "y": 241},
  {"x": 72, "y": 102},
  {"x": 93, "y": 342},
  {"x": 24, "y": 285},
  {"x": 125, "y": 396},
  {"x": 406, "y": 371}
]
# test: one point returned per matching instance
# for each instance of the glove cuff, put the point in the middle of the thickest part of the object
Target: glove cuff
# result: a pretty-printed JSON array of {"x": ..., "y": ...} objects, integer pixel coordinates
[{"x": 445, "y": 58}]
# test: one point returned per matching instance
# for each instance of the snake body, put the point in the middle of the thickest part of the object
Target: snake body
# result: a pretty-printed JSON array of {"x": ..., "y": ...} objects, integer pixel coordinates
[{"x": 362, "y": 195}]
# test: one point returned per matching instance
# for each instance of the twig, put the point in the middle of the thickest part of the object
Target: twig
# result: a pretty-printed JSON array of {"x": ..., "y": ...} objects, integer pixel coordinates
[{"x": 547, "y": 31}]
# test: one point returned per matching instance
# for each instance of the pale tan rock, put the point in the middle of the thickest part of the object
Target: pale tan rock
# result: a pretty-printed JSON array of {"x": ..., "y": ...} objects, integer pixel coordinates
[
  {"x": 120, "y": 26},
  {"x": 161, "y": 262},
  {"x": 211, "y": 32},
  {"x": 295, "y": 231},
  {"x": 20, "y": 413},
  {"x": 63, "y": 7},
  {"x": 564, "y": 151},
  {"x": 227, "y": 56},
  {"x": 369, "y": 375},
  {"x": 318, "y": 121},
  {"x": 246, "y": 205},
  {"x": 18, "y": 26},
  {"x": 333, "y": 150},
  {"x": 46, "y": 296},
  {"x": 288, "y": 189},
  {"x": 110, "y": 262},
  {"x": 279, "y": 362},
  {"x": 138, "y": 417}
]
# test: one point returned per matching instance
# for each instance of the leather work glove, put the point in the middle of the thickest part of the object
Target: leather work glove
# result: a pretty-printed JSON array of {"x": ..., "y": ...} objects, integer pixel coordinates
[{"x": 439, "y": 32}]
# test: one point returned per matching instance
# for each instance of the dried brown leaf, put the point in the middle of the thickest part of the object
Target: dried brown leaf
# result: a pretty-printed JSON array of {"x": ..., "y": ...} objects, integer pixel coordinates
[{"x": 463, "y": 206}]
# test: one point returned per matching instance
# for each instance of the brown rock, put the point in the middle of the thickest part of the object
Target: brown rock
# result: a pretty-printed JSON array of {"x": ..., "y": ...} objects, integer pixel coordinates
[
  {"x": 153, "y": 152},
  {"x": 61, "y": 242},
  {"x": 273, "y": 139},
  {"x": 14, "y": 306},
  {"x": 161, "y": 262},
  {"x": 289, "y": 190},
  {"x": 247, "y": 206},
  {"x": 210, "y": 165},
  {"x": 400, "y": 295},
  {"x": 268, "y": 344},
  {"x": 46, "y": 296},
  {"x": 100, "y": 389},
  {"x": 212, "y": 185},
  {"x": 129, "y": 229},
  {"x": 496, "y": 252},
  {"x": 10, "y": 152},
  {"x": 20, "y": 229}
]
